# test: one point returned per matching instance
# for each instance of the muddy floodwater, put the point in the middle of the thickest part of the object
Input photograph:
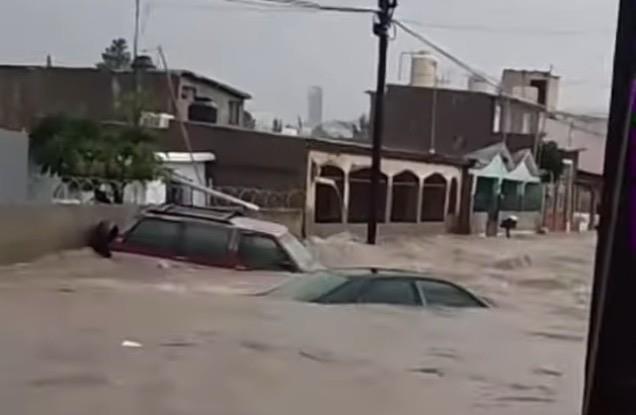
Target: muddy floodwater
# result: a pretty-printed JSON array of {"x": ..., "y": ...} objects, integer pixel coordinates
[{"x": 131, "y": 335}]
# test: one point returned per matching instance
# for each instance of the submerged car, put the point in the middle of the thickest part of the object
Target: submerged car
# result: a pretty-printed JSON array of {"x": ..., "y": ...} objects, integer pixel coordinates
[
  {"x": 376, "y": 286},
  {"x": 211, "y": 237}
]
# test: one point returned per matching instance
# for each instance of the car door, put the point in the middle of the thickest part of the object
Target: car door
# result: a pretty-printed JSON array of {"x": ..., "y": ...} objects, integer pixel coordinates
[
  {"x": 443, "y": 294},
  {"x": 392, "y": 291},
  {"x": 207, "y": 243},
  {"x": 258, "y": 251}
]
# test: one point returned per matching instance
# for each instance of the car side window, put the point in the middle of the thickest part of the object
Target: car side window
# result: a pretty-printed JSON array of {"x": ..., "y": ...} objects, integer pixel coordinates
[
  {"x": 155, "y": 235},
  {"x": 389, "y": 291},
  {"x": 262, "y": 252},
  {"x": 345, "y": 294},
  {"x": 437, "y": 293},
  {"x": 206, "y": 242}
]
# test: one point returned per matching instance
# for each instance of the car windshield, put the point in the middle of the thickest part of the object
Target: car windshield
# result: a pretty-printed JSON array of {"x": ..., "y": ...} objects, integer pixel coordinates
[
  {"x": 299, "y": 252},
  {"x": 308, "y": 288}
]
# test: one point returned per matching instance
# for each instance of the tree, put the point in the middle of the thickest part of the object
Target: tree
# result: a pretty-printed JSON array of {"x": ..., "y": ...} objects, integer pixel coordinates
[
  {"x": 551, "y": 161},
  {"x": 116, "y": 57},
  {"x": 104, "y": 156}
]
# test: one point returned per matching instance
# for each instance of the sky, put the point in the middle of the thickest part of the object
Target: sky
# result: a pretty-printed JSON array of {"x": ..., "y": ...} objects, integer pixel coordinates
[{"x": 277, "y": 55}]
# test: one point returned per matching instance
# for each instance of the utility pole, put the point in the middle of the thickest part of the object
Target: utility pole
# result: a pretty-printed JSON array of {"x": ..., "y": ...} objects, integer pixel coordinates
[
  {"x": 381, "y": 29},
  {"x": 135, "y": 67},
  {"x": 136, "y": 35}
]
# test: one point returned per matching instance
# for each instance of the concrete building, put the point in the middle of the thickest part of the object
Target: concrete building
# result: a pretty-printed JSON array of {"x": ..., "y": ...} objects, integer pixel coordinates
[
  {"x": 457, "y": 122},
  {"x": 28, "y": 93},
  {"x": 326, "y": 182},
  {"x": 540, "y": 87},
  {"x": 314, "y": 106},
  {"x": 583, "y": 139}
]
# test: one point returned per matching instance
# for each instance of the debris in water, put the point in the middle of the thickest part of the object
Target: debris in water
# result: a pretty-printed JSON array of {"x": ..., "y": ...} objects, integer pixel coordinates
[{"x": 131, "y": 344}]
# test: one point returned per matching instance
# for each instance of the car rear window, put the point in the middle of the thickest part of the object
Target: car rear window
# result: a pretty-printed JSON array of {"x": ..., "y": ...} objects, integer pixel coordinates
[
  {"x": 206, "y": 242},
  {"x": 262, "y": 252},
  {"x": 155, "y": 235}
]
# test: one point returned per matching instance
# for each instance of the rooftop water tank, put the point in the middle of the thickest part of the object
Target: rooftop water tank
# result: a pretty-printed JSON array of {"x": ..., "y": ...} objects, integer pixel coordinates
[{"x": 423, "y": 70}]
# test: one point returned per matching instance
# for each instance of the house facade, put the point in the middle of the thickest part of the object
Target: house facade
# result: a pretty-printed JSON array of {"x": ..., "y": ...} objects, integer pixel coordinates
[
  {"x": 28, "y": 93},
  {"x": 326, "y": 182}
]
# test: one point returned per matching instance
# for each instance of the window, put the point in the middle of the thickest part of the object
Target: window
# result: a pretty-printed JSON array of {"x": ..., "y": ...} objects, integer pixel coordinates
[
  {"x": 179, "y": 194},
  {"x": 525, "y": 123},
  {"x": 437, "y": 293},
  {"x": 309, "y": 288},
  {"x": 206, "y": 242},
  {"x": 390, "y": 291},
  {"x": 235, "y": 113},
  {"x": 496, "y": 120},
  {"x": 262, "y": 252},
  {"x": 345, "y": 294},
  {"x": 155, "y": 235}
]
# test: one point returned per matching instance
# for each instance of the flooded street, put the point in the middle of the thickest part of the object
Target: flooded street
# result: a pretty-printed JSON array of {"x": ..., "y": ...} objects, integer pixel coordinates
[{"x": 205, "y": 349}]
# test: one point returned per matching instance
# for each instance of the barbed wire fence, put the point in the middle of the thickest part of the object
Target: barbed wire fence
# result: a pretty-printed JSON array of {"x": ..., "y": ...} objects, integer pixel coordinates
[
  {"x": 91, "y": 190},
  {"x": 265, "y": 198}
]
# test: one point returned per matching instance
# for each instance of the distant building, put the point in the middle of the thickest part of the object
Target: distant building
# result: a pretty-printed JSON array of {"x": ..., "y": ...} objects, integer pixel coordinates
[
  {"x": 537, "y": 86},
  {"x": 314, "y": 100},
  {"x": 28, "y": 93}
]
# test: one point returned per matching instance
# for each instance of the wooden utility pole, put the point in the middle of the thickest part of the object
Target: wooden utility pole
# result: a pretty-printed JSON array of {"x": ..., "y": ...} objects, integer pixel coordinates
[{"x": 381, "y": 29}]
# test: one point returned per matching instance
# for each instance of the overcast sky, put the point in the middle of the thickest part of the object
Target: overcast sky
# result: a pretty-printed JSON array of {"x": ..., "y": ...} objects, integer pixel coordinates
[{"x": 277, "y": 56}]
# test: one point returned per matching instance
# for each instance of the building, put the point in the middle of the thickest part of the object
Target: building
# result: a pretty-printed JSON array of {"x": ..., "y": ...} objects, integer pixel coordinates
[
  {"x": 324, "y": 184},
  {"x": 28, "y": 93},
  {"x": 505, "y": 184},
  {"x": 582, "y": 138},
  {"x": 314, "y": 106},
  {"x": 457, "y": 122},
  {"x": 540, "y": 87}
]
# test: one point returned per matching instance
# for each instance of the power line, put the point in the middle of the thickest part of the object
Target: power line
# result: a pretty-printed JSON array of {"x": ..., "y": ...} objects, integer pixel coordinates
[
  {"x": 524, "y": 31},
  {"x": 447, "y": 55},
  {"x": 304, "y": 4}
]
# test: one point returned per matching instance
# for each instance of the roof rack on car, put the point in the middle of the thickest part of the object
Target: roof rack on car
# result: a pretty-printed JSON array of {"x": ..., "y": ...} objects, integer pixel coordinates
[{"x": 217, "y": 214}]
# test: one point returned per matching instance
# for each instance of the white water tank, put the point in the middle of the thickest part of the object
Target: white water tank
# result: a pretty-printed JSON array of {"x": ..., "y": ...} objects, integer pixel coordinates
[
  {"x": 423, "y": 70},
  {"x": 479, "y": 84}
]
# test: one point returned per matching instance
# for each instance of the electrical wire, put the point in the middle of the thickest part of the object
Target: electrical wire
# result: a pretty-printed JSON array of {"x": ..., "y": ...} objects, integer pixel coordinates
[
  {"x": 503, "y": 30},
  {"x": 457, "y": 61}
]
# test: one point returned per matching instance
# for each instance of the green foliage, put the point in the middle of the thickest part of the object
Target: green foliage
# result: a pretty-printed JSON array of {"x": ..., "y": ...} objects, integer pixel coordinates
[
  {"x": 551, "y": 161},
  {"x": 116, "y": 57},
  {"x": 116, "y": 156}
]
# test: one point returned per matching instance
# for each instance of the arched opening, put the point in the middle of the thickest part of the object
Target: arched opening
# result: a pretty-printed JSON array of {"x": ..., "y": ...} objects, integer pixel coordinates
[
  {"x": 453, "y": 197},
  {"x": 404, "y": 206},
  {"x": 359, "y": 189},
  {"x": 329, "y": 195},
  {"x": 433, "y": 198}
]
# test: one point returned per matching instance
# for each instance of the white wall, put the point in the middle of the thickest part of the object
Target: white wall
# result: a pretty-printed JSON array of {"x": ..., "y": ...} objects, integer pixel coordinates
[
  {"x": 14, "y": 166},
  {"x": 155, "y": 192}
]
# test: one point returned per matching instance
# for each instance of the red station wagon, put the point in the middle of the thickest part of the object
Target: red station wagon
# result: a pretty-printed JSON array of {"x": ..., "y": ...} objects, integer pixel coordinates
[{"x": 215, "y": 238}]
